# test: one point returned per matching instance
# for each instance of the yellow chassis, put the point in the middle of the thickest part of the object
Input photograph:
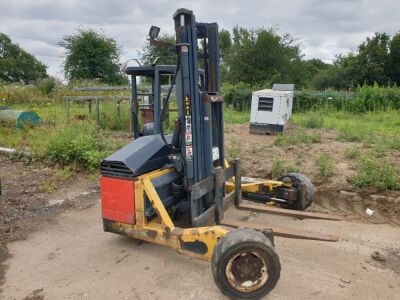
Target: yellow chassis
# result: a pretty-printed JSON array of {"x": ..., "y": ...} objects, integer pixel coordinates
[
  {"x": 199, "y": 242},
  {"x": 254, "y": 185},
  {"x": 161, "y": 230}
]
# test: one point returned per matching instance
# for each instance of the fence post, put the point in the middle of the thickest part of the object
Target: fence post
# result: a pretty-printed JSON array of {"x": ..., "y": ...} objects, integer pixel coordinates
[{"x": 97, "y": 113}]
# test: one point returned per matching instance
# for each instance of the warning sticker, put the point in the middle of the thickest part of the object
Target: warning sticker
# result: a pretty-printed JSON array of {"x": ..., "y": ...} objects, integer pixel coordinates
[
  {"x": 189, "y": 152},
  {"x": 188, "y": 137}
]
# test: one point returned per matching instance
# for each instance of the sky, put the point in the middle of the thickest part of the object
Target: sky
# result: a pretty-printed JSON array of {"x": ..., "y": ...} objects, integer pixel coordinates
[{"x": 324, "y": 28}]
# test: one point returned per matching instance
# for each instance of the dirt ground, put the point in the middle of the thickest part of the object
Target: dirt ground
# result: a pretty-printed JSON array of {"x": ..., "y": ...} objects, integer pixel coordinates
[
  {"x": 53, "y": 247},
  {"x": 335, "y": 193}
]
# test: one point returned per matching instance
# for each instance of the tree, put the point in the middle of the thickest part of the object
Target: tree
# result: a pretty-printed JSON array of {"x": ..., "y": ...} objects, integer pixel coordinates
[
  {"x": 262, "y": 55},
  {"x": 372, "y": 60},
  {"x": 17, "y": 65},
  {"x": 91, "y": 55},
  {"x": 161, "y": 56},
  {"x": 370, "y": 64},
  {"x": 395, "y": 58}
]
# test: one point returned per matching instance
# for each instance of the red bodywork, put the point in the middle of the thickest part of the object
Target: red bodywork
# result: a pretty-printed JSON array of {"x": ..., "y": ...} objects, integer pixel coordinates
[{"x": 118, "y": 199}]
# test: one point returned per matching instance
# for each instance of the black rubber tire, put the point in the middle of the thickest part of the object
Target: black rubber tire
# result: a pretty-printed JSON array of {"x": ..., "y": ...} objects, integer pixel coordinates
[
  {"x": 237, "y": 241},
  {"x": 298, "y": 178}
]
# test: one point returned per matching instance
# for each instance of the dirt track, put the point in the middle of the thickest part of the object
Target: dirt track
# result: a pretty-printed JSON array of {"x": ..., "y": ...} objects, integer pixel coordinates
[{"x": 71, "y": 258}]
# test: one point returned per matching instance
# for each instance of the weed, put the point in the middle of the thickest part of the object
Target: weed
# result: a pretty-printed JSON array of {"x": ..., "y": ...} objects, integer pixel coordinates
[
  {"x": 82, "y": 147},
  {"x": 235, "y": 149},
  {"x": 236, "y": 117},
  {"x": 350, "y": 135},
  {"x": 280, "y": 168},
  {"x": 312, "y": 120},
  {"x": 376, "y": 173},
  {"x": 298, "y": 138},
  {"x": 325, "y": 165},
  {"x": 352, "y": 152},
  {"x": 277, "y": 168},
  {"x": 47, "y": 186},
  {"x": 46, "y": 86},
  {"x": 257, "y": 148}
]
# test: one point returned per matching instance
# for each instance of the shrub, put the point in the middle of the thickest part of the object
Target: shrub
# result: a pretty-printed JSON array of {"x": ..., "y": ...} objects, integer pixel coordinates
[
  {"x": 83, "y": 147},
  {"x": 325, "y": 165},
  {"x": 46, "y": 86},
  {"x": 375, "y": 173}
]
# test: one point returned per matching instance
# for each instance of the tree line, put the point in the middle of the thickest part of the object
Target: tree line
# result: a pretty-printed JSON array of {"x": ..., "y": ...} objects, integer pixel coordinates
[{"x": 257, "y": 57}]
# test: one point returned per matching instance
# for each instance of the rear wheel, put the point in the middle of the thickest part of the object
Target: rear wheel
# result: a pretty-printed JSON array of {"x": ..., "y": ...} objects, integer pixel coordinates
[
  {"x": 245, "y": 265},
  {"x": 297, "y": 179}
]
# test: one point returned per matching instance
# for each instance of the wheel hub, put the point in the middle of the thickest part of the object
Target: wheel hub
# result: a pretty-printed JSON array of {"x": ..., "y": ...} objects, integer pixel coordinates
[{"x": 247, "y": 271}]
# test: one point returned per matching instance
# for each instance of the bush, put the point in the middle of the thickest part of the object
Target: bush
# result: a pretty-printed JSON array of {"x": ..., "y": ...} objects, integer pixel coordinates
[
  {"x": 375, "y": 173},
  {"x": 83, "y": 147},
  {"x": 238, "y": 96},
  {"x": 325, "y": 165},
  {"x": 46, "y": 86}
]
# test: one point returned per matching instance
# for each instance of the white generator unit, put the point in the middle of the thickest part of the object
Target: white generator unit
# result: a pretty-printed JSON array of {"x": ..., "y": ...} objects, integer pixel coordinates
[{"x": 271, "y": 109}]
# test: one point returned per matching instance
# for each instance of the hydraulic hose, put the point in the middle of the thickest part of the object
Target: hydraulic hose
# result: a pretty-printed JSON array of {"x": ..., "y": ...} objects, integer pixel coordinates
[{"x": 166, "y": 102}]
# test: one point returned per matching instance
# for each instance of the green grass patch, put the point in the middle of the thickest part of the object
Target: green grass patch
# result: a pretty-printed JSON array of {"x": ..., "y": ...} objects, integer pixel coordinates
[
  {"x": 236, "y": 117},
  {"x": 234, "y": 151},
  {"x": 372, "y": 172},
  {"x": 352, "y": 152},
  {"x": 280, "y": 167},
  {"x": 325, "y": 165},
  {"x": 299, "y": 137},
  {"x": 311, "y": 120}
]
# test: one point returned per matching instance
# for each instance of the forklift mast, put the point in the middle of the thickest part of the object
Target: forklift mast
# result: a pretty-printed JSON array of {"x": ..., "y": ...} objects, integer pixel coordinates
[{"x": 200, "y": 107}]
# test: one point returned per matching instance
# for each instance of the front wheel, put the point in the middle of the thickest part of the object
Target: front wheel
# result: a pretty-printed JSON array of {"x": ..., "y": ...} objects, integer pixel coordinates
[
  {"x": 245, "y": 265},
  {"x": 297, "y": 179}
]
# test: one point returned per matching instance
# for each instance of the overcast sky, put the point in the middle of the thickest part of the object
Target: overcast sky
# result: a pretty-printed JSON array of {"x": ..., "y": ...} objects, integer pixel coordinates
[{"x": 325, "y": 28}]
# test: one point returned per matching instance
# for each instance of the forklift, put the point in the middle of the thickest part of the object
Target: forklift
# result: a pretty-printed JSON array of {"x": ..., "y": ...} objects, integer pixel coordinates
[{"x": 174, "y": 189}]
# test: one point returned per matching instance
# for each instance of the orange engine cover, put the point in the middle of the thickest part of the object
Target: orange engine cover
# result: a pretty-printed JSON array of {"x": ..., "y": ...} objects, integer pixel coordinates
[{"x": 118, "y": 199}]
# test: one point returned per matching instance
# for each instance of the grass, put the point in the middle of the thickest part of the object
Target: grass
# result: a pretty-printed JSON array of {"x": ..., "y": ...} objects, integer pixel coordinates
[
  {"x": 381, "y": 174},
  {"x": 50, "y": 184},
  {"x": 280, "y": 167},
  {"x": 325, "y": 165},
  {"x": 234, "y": 150},
  {"x": 298, "y": 137},
  {"x": 311, "y": 120},
  {"x": 236, "y": 117},
  {"x": 352, "y": 152},
  {"x": 77, "y": 143}
]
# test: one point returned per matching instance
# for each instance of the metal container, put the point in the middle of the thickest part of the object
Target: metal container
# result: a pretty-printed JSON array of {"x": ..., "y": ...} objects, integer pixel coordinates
[{"x": 19, "y": 118}]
